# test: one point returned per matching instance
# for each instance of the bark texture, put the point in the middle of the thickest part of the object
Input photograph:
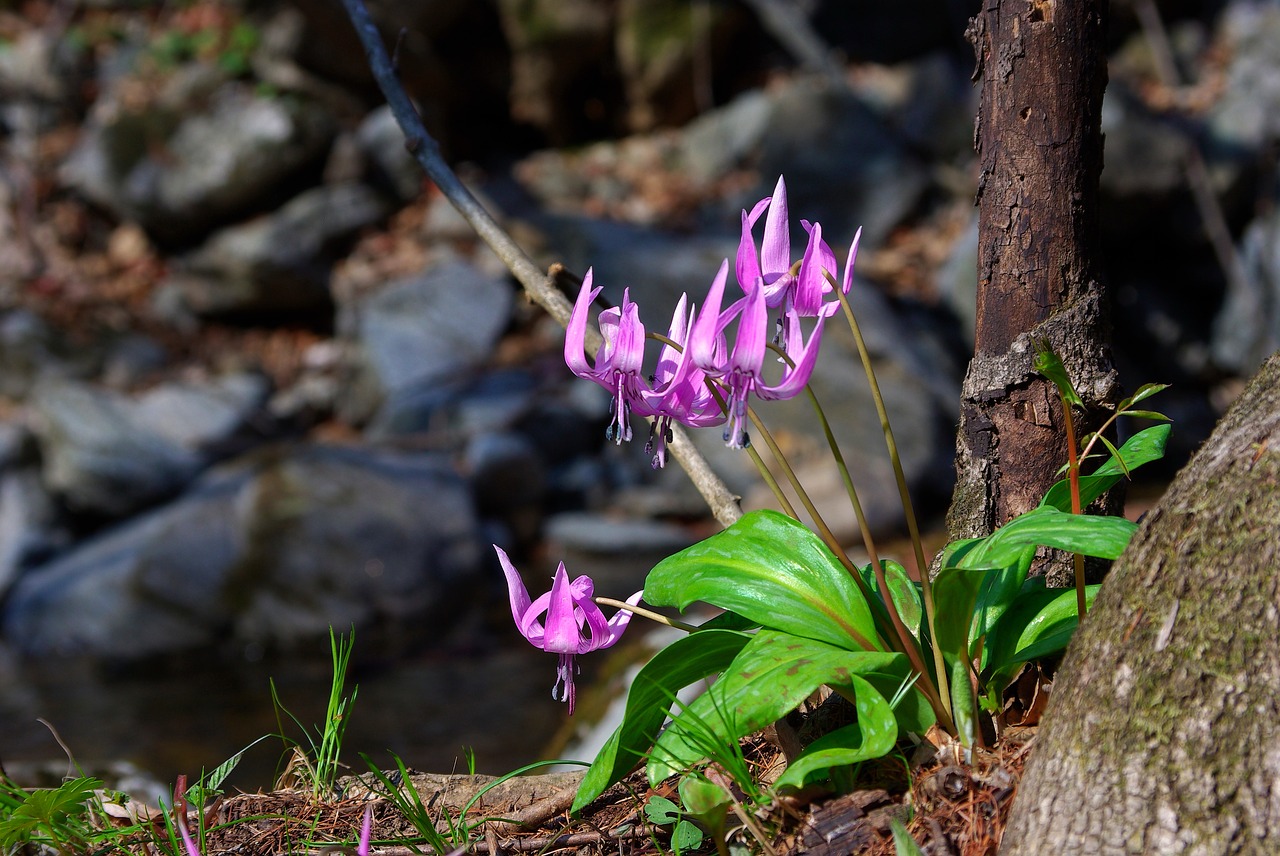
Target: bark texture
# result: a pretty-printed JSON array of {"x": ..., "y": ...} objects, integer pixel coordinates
[
  {"x": 1039, "y": 139},
  {"x": 1163, "y": 729}
]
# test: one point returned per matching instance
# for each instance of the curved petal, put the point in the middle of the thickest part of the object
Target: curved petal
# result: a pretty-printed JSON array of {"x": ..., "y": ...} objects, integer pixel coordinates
[
  {"x": 517, "y": 593},
  {"x": 628, "y": 351},
  {"x": 747, "y": 263},
  {"x": 794, "y": 379},
  {"x": 846, "y": 281},
  {"x": 576, "y": 333},
  {"x": 811, "y": 283},
  {"x": 707, "y": 327}
]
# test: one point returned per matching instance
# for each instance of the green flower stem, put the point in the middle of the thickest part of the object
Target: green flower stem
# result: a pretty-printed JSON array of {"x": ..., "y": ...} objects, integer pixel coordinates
[
  {"x": 824, "y": 531},
  {"x": 765, "y": 472},
  {"x": 913, "y": 528},
  {"x": 647, "y": 613},
  {"x": 905, "y": 642}
]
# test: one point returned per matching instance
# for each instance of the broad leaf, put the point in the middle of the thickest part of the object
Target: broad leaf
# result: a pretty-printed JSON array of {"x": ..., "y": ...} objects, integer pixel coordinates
[
  {"x": 904, "y": 590},
  {"x": 955, "y": 590},
  {"x": 688, "y": 659},
  {"x": 997, "y": 592},
  {"x": 769, "y": 569},
  {"x": 772, "y": 674},
  {"x": 963, "y": 703},
  {"x": 873, "y": 735},
  {"x": 1104, "y": 537},
  {"x": 1039, "y": 624},
  {"x": 1142, "y": 448}
]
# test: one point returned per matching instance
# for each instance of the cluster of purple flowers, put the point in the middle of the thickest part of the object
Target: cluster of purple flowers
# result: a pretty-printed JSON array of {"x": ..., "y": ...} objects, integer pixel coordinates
[{"x": 699, "y": 381}]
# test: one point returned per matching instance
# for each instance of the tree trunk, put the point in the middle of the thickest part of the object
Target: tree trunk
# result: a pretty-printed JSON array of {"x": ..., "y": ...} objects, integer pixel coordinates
[
  {"x": 1163, "y": 729},
  {"x": 1039, "y": 139}
]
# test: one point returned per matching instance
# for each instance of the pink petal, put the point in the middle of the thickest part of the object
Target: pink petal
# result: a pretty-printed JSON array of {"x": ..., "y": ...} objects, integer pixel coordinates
[
  {"x": 516, "y": 591},
  {"x": 562, "y": 634},
  {"x": 846, "y": 281},
  {"x": 576, "y": 334},
  {"x": 775, "y": 251}
]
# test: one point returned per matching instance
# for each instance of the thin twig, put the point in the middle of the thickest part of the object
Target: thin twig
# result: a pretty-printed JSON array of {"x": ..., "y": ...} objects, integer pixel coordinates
[{"x": 540, "y": 287}]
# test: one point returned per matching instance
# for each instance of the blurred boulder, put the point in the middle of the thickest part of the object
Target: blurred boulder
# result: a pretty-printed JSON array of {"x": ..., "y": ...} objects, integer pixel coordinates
[
  {"x": 421, "y": 331},
  {"x": 108, "y": 454},
  {"x": 270, "y": 550},
  {"x": 203, "y": 152},
  {"x": 279, "y": 262},
  {"x": 98, "y": 458}
]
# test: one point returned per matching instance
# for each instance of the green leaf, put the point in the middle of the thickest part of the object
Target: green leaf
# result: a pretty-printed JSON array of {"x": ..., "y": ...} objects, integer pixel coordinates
[
  {"x": 912, "y": 711},
  {"x": 963, "y": 707},
  {"x": 873, "y": 735},
  {"x": 904, "y": 591},
  {"x": 1115, "y": 456},
  {"x": 1142, "y": 448},
  {"x": 728, "y": 621},
  {"x": 661, "y": 811},
  {"x": 903, "y": 843},
  {"x": 684, "y": 661},
  {"x": 772, "y": 570},
  {"x": 997, "y": 592},
  {"x": 1153, "y": 415},
  {"x": 1050, "y": 365},
  {"x": 772, "y": 674},
  {"x": 1104, "y": 537},
  {"x": 686, "y": 836},
  {"x": 1041, "y": 623},
  {"x": 955, "y": 591},
  {"x": 1146, "y": 391}
]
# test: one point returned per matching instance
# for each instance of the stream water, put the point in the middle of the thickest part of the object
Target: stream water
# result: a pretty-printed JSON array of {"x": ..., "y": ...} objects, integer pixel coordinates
[{"x": 189, "y": 716}]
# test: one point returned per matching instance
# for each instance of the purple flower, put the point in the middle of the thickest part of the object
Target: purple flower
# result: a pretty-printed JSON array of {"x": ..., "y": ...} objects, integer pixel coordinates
[
  {"x": 569, "y": 610},
  {"x": 772, "y": 266},
  {"x": 741, "y": 371},
  {"x": 618, "y": 362},
  {"x": 679, "y": 389},
  {"x": 803, "y": 298}
]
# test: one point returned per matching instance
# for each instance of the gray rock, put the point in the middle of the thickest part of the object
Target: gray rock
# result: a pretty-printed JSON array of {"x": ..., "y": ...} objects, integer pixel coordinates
[
  {"x": 32, "y": 352},
  {"x": 859, "y": 177},
  {"x": 1247, "y": 328},
  {"x": 98, "y": 458},
  {"x": 29, "y": 524},
  {"x": 271, "y": 550},
  {"x": 1246, "y": 116},
  {"x": 201, "y": 416},
  {"x": 419, "y": 332},
  {"x": 616, "y": 552},
  {"x": 280, "y": 262},
  {"x": 201, "y": 154}
]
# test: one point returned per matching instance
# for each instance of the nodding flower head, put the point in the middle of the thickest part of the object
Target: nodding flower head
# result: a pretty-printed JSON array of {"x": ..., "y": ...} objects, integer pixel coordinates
[
  {"x": 574, "y": 623},
  {"x": 679, "y": 389},
  {"x": 741, "y": 371},
  {"x": 618, "y": 363}
]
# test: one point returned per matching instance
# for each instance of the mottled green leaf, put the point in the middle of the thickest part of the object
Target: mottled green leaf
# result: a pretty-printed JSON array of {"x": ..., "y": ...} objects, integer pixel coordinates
[
  {"x": 772, "y": 570},
  {"x": 772, "y": 674}
]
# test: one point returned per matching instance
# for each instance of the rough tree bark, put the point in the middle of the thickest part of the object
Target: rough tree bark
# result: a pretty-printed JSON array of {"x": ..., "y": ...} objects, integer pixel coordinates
[
  {"x": 1163, "y": 729},
  {"x": 1039, "y": 139}
]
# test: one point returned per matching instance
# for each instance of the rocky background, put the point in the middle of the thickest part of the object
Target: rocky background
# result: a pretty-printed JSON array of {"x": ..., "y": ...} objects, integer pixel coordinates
[{"x": 257, "y": 379}]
